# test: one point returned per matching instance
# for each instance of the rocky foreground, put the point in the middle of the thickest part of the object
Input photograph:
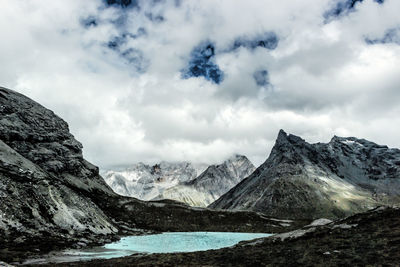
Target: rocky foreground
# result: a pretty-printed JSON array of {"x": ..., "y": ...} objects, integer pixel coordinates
[{"x": 371, "y": 238}]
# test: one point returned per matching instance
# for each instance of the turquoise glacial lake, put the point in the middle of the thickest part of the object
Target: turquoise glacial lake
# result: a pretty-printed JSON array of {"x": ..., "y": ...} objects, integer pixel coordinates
[
  {"x": 181, "y": 241},
  {"x": 157, "y": 243}
]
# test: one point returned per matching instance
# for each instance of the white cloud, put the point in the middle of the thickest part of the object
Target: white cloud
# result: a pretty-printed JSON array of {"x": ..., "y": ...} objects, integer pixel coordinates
[{"x": 325, "y": 79}]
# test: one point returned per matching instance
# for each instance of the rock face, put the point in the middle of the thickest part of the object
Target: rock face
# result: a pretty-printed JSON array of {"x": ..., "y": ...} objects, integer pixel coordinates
[
  {"x": 147, "y": 182},
  {"x": 40, "y": 162},
  {"x": 302, "y": 180},
  {"x": 215, "y": 181},
  {"x": 52, "y": 198}
]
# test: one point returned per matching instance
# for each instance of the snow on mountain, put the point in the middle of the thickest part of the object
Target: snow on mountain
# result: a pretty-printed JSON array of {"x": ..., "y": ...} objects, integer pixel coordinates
[
  {"x": 212, "y": 183},
  {"x": 147, "y": 182},
  {"x": 302, "y": 180}
]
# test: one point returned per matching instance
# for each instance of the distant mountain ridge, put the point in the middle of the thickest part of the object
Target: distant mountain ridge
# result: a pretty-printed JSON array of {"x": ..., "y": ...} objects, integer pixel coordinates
[
  {"x": 146, "y": 182},
  {"x": 332, "y": 180},
  {"x": 215, "y": 181}
]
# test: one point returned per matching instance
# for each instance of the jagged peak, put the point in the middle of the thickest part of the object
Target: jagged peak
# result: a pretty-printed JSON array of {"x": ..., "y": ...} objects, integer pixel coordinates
[{"x": 284, "y": 138}]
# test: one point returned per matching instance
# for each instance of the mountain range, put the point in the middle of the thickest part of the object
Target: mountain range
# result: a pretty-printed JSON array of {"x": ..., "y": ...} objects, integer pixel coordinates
[
  {"x": 146, "y": 182},
  {"x": 330, "y": 180},
  {"x": 52, "y": 198},
  {"x": 215, "y": 181}
]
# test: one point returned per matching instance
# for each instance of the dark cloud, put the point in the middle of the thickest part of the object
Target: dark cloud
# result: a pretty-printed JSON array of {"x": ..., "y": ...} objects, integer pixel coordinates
[
  {"x": 90, "y": 21},
  {"x": 390, "y": 36},
  {"x": 202, "y": 58},
  {"x": 261, "y": 77},
  {"x": 268, "y": 40},
  {"x": 123, "y": 39},
  {"x": 129, "y": 55},
  {"x": 135, "y": 58},
  {"x": 343, "y": 7},
  {"x": 154, "y": 18},
  {"x": 202, "y": 63},
  {"x": 123, "y": 3}
]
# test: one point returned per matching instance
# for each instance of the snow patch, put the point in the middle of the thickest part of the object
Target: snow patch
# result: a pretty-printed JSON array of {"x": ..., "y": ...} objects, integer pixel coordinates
[
  {"x": 345, "y": 226},
  {"x": 320, "y": 222}
]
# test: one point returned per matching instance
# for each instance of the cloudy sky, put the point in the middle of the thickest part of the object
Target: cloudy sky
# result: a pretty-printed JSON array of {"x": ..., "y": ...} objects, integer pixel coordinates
[{"x": 201, "y": 80}]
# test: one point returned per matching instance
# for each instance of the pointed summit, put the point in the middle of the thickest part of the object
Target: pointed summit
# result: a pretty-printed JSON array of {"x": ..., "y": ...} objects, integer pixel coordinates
[
  {"x": 282, "y": 136},
  {"x": 285, "y": 139},
  {"x": 282, "y": 139}
]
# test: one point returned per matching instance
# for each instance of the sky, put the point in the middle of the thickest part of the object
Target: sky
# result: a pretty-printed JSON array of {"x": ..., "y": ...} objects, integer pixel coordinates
[{"x": 186, "y": 80}]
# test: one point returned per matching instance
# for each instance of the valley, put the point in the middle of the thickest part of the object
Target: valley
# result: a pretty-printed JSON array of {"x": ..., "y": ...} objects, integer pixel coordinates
[{"x": 53, "y": 199}]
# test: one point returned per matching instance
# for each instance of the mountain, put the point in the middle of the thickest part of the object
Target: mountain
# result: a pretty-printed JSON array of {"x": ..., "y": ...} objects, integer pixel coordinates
[
  {"x": 52, "y": 198},
  {"x": 45, "y": 183},
  {"x": 215, "y": 181},
  {"x": 147, "y": 182},
  {"x": 331, "y": 180}
]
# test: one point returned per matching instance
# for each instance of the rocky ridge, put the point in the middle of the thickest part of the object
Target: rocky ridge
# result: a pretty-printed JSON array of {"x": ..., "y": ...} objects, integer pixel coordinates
[
  {"x": 146, "y": 182},
  {"x": 40, "y": 163},
  {"x": 215, "y": 181},
  {"x": 332, "y": 180}
]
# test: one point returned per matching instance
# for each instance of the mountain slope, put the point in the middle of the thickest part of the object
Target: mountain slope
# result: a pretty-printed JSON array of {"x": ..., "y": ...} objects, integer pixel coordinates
[
  {"x": 302, "y": 180},
  {"x": 146, "y": 182},
  {"x": 212, "y": 183},
  {"x": 39, "y": 162}
]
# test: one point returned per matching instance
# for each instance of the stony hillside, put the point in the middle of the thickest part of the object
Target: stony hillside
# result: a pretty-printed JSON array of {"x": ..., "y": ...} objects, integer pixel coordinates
[
  {"x": 302, "y": 180},
  {"x": 40, "y": 164},
  {"x": 215, "y": 181}
]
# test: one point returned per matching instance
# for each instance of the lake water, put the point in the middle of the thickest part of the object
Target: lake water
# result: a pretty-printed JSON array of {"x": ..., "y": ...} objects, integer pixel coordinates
[
  {"x": 181, "y": 242},
  {"x": 158, "y": 243}
]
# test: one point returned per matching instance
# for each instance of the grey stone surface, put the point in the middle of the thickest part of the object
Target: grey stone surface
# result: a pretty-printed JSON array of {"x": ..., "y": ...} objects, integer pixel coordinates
[{"x": 40, "y": 166}]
